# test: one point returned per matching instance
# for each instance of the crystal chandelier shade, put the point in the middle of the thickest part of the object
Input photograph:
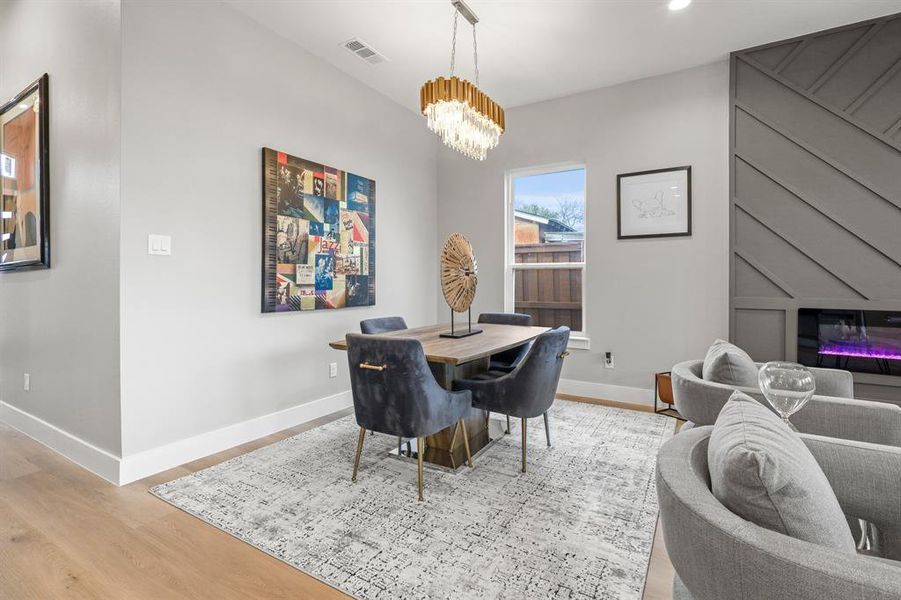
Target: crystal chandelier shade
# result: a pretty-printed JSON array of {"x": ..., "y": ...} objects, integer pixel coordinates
[{"x": 463, "y": 116}]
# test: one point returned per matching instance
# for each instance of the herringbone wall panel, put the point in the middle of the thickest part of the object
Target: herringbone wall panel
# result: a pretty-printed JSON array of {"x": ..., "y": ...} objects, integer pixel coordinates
[{"x": 816, "y": 185}]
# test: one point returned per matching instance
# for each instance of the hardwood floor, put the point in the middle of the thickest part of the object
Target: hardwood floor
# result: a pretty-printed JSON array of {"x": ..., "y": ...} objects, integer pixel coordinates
[{"x": 66, "y": 533}]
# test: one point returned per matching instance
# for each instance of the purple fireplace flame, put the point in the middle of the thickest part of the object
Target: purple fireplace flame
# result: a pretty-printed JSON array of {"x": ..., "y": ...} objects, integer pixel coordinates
[{"x": 860, "y": 350}]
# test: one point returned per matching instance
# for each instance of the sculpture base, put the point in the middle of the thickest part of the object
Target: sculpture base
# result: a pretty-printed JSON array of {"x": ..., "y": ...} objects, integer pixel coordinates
[{"x": 460, "y": 334}]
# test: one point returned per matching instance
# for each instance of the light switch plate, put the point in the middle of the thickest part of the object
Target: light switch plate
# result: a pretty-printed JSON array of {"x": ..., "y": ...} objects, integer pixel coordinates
[{"x": 159, "y": 245}]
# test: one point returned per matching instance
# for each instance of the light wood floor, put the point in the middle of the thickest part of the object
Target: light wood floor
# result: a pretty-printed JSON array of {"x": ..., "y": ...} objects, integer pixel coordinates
[{"x": 66, "y": 533}]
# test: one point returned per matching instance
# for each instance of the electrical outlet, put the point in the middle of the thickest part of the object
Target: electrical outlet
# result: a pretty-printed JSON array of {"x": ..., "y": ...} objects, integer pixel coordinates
[
  {"x": 608, "y": 360},
  {"x": 333, "y": 370},
  {"x": 26, "y": 383}
]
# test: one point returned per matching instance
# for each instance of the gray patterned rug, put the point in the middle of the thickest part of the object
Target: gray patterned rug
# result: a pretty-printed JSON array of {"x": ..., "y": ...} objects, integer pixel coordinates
[{"x": 579, "y": 524}]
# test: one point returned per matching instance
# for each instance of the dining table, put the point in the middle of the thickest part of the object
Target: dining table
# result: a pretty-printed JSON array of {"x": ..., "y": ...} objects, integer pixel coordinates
[{"x": 460, "y": 358}]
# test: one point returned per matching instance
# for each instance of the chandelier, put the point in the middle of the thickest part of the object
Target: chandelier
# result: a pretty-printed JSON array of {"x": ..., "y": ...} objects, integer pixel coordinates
[{"x": 462, "y": 115}]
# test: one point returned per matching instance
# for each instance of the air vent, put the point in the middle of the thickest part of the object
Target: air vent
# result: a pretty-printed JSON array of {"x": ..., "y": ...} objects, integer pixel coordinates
[{"x": 364, "y": 51}]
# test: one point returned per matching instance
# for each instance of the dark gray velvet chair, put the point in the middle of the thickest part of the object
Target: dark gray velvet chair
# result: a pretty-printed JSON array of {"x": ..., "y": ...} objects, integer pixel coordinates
[
  {"x": 395, "y": 393},
  {"x": 527, "y": 391},
  {"x": 508, "y": 359},
  {"x": 383, "y": 324}
]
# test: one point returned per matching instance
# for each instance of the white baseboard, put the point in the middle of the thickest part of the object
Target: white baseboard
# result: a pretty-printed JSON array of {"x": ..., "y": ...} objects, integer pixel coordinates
[
  {"x": 606, "y": 391},
  {"x": 94, "y": 459},
  {"x": 149, "y": 462},
  {"x": 121, "y": 471}
]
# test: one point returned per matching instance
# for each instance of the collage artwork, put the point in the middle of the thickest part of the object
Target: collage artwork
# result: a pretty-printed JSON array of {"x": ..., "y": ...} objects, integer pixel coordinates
[{"x": 323, "y": 247}]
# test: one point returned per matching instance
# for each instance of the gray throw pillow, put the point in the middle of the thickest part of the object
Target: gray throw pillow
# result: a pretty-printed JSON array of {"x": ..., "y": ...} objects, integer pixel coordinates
[
  {"x": 727, "y": 363},
  {"x": 762, "y": 471}
]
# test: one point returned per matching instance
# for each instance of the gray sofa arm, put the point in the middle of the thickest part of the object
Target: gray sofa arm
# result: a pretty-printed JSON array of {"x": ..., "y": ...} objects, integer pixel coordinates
[
  {"x": 866, "y": 479},
  {"x": 833, "y": 382},
  {"x": 700, "y": 401}
]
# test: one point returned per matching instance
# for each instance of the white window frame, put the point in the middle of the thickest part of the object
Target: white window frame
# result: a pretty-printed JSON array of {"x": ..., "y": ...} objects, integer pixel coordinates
[{"x": 578, "y": 339}]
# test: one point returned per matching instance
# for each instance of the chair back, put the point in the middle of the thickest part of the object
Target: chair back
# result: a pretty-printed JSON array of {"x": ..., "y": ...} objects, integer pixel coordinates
[
  {"x": 394, "y": 391},
  {"x": 506, "y": 318},
  {"x": 533, "y": 384},
  {"x": 382, "y": 324}
]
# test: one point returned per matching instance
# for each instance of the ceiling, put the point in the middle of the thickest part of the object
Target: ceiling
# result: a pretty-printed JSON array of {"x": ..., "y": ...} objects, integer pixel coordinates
[{"x": 531, "y": 50}]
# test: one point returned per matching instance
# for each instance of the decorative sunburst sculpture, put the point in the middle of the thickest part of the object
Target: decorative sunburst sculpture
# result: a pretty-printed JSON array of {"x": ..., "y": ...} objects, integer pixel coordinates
[{"x": 459, "y": 277}]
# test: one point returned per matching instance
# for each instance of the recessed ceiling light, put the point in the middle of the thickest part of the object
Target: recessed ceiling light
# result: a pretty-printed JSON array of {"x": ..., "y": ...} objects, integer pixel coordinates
[{"x": 678, "y": 4}]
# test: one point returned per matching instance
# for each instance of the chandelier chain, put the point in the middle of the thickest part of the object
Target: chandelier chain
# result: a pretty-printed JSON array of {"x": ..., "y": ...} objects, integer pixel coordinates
[
  {"x": 475, "y": 52},
  {"x": 454, "y": 42}
]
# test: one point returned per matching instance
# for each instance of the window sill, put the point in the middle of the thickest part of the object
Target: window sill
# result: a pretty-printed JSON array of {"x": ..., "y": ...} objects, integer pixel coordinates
[{"x": 578, "y": 342}]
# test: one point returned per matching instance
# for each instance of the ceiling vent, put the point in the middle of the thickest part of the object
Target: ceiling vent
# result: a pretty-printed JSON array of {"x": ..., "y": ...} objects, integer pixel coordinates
[{"x": 364, "y": 51}]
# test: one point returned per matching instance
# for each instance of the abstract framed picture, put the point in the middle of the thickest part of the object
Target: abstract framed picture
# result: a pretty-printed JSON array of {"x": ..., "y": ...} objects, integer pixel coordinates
[
  {"x": 652, "y": 204},
  {"x": 318, "y": 236},
  {"x": 25, "y": 179}
]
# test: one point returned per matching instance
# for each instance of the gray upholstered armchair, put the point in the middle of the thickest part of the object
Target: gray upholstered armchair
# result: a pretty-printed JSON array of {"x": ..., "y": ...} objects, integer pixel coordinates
[
  {"x": 394, "y": 392},
  {"x": 507, "y": 360},
  {"x": 718, "y": 555},
  {"x": 529, "y": 390},
  {"x": 831, "y": 412}
]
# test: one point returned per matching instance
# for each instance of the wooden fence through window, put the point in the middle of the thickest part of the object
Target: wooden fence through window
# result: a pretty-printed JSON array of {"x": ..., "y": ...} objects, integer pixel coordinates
[{"x": 552, "y": 296}]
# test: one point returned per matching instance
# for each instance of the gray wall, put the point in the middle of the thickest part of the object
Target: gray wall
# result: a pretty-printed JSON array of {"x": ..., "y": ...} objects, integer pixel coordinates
[
  {"x": 652, "y": 302},
  {"x": 204, "y": 88},
  {"x": 816, "y": 185},
  {"x": 62, "y": 325}
]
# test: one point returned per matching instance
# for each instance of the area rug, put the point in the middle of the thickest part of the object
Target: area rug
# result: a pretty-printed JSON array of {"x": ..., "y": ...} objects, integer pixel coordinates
[{"x": 579, "y": 524}]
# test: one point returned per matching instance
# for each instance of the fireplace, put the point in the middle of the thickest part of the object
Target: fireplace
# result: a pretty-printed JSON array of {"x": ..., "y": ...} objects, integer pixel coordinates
[{"x": 865, "y": 341}]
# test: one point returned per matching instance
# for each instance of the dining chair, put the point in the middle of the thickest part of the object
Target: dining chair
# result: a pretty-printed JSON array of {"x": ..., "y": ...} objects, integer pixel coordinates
[
  {"x": 527, "y": 391},
  {"x": 394, "y": 392},
  {"x": 382, "y": 324},
  {"x": 508, "y": 359}
]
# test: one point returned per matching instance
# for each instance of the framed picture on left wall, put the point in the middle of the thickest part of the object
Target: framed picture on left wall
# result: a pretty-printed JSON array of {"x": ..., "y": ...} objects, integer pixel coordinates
[
  {"x": 318, "y": 236},
  {"x": 25, "y": 179}
]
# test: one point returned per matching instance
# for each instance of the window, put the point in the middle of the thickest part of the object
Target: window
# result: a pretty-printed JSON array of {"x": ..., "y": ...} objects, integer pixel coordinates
[{"x": 546, "y": 246}]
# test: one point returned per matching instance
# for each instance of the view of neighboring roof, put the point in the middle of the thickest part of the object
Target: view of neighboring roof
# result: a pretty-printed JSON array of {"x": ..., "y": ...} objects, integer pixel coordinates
[{"x": 554, "y": 224}]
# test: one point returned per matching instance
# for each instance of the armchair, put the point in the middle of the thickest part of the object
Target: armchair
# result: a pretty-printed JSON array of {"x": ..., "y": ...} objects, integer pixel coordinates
[
  {"x": 831, "y": 412},
  {"x": 529, "y": 390},
  {"x": 382, "y": 324},
  {"x": 507, "y": 360},
  {"x": 717, "y": 554},
  {"x": 394, "y": 392}
]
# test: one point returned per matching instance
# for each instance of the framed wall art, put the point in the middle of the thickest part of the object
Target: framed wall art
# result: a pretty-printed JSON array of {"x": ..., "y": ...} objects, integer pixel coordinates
[
  {"x": 25, "y": 179},
  {"x": 654, "y": 203},
  {"x": 318, "y": 236}
]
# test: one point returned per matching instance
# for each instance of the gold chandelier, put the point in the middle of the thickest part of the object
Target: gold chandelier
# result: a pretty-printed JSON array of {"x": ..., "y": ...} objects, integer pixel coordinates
[{"x": 462, "y": 115}]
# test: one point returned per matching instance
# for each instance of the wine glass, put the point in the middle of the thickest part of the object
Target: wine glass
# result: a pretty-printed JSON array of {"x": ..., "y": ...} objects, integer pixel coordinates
[{"x": 787, "y": 386}]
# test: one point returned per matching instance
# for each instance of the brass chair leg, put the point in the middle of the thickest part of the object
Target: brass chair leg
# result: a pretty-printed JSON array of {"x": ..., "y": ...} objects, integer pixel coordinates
[
  {"x": 508, "y": 424},
  {"x": 420, "y": 452},
  {"x": 466, "y": 443},
  {"x": 524, "y": 436},
  {"x": 359, "y": 452},
  {"x": 547, "y": 430}
]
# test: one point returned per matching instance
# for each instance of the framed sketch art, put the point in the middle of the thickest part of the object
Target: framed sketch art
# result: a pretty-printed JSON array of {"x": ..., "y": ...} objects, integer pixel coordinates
[
  {"x": 25, "y": 180},
  {"x": 318, "y": 236},
  {"x": 654, "y": 203}
]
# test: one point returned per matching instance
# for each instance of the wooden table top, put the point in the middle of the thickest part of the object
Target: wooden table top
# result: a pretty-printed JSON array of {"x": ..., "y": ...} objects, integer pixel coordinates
[{"x": 493, "y": 339}]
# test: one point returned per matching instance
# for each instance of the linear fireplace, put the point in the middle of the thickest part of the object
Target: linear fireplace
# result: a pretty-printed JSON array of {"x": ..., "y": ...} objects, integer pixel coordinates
[{"x": 865, "y": 341}]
